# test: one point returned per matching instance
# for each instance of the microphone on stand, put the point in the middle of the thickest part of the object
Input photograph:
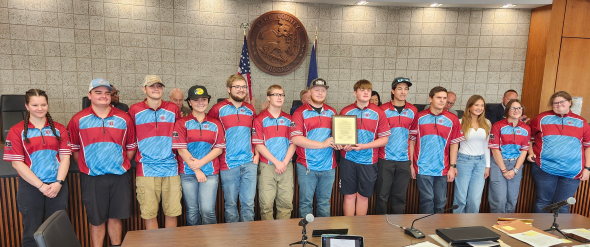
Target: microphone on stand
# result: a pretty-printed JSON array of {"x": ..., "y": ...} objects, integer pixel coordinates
[
  {"x": 415, "y": 233},
  {"x": 308, "y": 218},
  {"x": 557, "y": 205}
]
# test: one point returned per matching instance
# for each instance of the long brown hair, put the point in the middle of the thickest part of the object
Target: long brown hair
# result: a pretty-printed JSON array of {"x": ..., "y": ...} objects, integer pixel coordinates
[
  {"x": 38, "y": 93},
  {"x": 481, "y": 119}
]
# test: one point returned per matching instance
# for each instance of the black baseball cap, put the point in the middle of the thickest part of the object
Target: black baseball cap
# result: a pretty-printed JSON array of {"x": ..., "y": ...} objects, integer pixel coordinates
[
  {"x": 318, "y": 82},
  {"x": 196, "y": 92},
  {"x": 399, "y": 80}
]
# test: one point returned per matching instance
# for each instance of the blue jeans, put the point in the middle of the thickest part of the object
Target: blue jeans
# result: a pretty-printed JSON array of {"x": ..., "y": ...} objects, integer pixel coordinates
[
  {"x": 433, "y": 193},
  {"x": 552, "y": 188},
  {"x": 311, "y": 182},
  {"x": 503, "y": 194},
  {"x": 469, "y": 183},
  {"x": 200, "y": 199},
  {"x": 239, "y": 182}
]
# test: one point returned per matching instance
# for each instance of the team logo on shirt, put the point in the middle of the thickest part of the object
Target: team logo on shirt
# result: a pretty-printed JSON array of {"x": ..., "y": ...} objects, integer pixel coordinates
[
  {"x": 492, "y": 137},
  {"x": 8, "y": 144},
  {"x": 293, "y": 124},
  {"x": 282, "y": 121},
  {"x": 253, "y": 131},
  {"x": 570, "y": 122},
  {"x": 440, "y": 121},
  {"x": 405, "y": 113},
  {"x": 175, "y": 135},
  {"x": 162, "y": 117},
  {"x": 324, "y": 113},
  {"x": 111, "y": 123},
  {"x": 47, "y": 132},
  {"x": 517, "y": 131},
  {"x": 366, "y": 114},
  {"x": 205, "y": 126}
]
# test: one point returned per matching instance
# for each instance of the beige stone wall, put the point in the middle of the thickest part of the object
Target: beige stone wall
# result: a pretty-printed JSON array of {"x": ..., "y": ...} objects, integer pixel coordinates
[{"x": 60, "y": 45}]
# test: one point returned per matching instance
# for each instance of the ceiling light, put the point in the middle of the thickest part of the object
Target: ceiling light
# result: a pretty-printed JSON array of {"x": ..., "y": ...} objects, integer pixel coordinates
[
  {"x": 434, "y": 5},
  {"x": 508, "y": 5},
  {"x": 361, "y": 3}
]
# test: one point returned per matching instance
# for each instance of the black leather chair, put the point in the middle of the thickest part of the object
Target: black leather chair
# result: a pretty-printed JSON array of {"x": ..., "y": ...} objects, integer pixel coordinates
[
  {"x": 85, "y": 102},
  {"x": 491, "y": 105},
  {"x": 460, "y": 113},
  {"x": 57, "y": 231},
  {"x": 420, "y": 107},
  {"x": 296, "y": 103},
  {"x": 12, "y": 108},
  {"x": 220, "y": 99}
]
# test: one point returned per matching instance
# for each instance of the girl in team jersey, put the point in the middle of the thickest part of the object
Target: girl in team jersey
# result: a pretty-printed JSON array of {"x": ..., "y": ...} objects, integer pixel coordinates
[
  {"x": 39, "y": 151},
  {"x": 509, "y": 142},
  {"x": 199, "y": 139},
  {"x": 473, "y": 160},
  {"x": 560, "y": 152}
]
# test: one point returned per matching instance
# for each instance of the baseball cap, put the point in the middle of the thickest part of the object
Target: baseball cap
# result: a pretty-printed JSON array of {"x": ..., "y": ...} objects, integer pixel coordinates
[
  {"x": 399, "y": 80},
  {"x": 318, "y": 82},
  {"x": 196, "y": 92},
  {"x": 99, "y": 82},
  {"x": 151, "y": 80}
]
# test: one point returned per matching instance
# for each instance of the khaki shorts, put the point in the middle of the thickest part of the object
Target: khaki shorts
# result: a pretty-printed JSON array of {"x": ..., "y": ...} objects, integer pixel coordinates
[{"x": 150, "y": 190}]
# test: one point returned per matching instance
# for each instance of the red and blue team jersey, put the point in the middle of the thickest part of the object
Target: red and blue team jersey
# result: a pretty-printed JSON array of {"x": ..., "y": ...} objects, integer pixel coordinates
[
  {"x": 153, "y": 129},
  {"x": 42, "y": 152},
  {"x": 199, "y": 139},
  {"x": 560, "y": 142},
  {"x": 237, "y": 124},
  {"x": 371, "y": 124},
  {"x": 509, "y": 139},
  {"x": 399, "y": 124},
  {"x": 102, "y": 143},
  {"x": 273, "y": 133},
  {"x": 318, "y": 127},
  {"x": 434, "y": 134}
]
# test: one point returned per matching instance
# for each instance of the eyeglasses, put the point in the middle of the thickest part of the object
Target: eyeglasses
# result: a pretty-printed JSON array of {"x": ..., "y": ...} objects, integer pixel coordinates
[
  {"x": 277, "y": 95},
  {"x": 559, "y": 102},
  {"x": 240, "y": 87},
  {"x": 450, "y": 103},
  {"x": 516, "y": 108}
]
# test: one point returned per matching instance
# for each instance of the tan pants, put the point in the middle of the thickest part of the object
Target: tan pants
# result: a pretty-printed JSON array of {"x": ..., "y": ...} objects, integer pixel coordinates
[
  {"x": 273, "y": 187},
  {"x": 152, "y": 190}
]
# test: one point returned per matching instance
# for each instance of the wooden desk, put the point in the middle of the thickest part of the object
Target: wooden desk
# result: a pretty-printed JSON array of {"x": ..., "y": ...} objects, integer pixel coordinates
[{"x": 374, "y": 228}]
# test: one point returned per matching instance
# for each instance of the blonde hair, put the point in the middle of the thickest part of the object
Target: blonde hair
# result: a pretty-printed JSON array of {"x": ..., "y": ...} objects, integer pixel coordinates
[
  {"x": 481, "y": 119},
  {"x": 232, "y": 78},
  {"x": 273, "y": 87}
]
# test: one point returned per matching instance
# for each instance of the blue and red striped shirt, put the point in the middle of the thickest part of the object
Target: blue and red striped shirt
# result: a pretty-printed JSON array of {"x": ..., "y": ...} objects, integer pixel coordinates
[
  {"x": 371, "y": 124},
  {"x": 273, "y": 133},
  {"x": 318, "y": 127},
  {"x": 433, "y": 135},
  {"x": 237, "y": 123},
  {"x": 153, "y": 129},
  {"x": 102, "y": 143},
  {"x": 399, "y": 124},
  {"x": 42, "y": 152},
  {"x": 510, "y": 140},
  {"x": 560, "y": 141},
  {"x": 199, "y": 139}
]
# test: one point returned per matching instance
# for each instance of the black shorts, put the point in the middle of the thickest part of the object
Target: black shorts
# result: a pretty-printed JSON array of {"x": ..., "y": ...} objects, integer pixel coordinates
[
  {"x": 106, "y": 197},
  {"x": 355, "y": 177}
]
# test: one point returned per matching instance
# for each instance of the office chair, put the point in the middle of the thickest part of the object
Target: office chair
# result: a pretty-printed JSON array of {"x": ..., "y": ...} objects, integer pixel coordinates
[
  {"x": 296, "y": 103},
  {"x": 460, "y": 113},
  {"x": 57, "y": 231},
  {"x": 220, "y": 99},
  {"x": 85, "y": 102},
  {"x": 12, "y": 108},
  {"x": 420, "y": 107}
]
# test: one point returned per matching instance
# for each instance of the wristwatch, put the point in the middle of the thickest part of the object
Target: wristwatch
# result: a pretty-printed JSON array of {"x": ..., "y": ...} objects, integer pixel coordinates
[
  {"x": 60, "y": 182},
  {"x": 453, "y": 165}
]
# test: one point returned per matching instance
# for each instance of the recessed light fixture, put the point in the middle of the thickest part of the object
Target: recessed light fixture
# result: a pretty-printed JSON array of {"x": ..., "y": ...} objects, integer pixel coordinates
[
  {"x": 434, "y": 5},
  {"x": 361, "y": 3},
  {"x": 509, "y": 6}
]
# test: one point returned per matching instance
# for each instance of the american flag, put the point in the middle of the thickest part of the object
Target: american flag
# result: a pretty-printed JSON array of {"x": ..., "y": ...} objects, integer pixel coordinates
[{"x": 244, "y": 67}]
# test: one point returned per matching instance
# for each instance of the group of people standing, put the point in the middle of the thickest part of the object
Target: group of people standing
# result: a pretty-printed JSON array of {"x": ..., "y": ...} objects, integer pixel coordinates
[{"x": 182, "y": 157}]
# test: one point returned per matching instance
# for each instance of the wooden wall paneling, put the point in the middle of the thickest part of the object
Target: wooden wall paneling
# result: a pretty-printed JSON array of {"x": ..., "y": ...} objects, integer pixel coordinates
[
  {"x": 553, "y": 52},
  {"x": 574, "y": 71},
  {"x": 577, "y": 17},
  {"x": 535, "y": 60}
]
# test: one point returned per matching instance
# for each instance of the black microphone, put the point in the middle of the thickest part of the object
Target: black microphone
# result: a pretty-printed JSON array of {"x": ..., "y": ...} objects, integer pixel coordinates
[
  {"x": 557, "y": 205},
  {"x": 308, "y": 218},
  {"x": 415, "y": 233}
]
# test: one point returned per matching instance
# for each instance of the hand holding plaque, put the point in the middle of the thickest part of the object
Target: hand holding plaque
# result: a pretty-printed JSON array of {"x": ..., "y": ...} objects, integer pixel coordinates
[{"x": 344, "y": 130}]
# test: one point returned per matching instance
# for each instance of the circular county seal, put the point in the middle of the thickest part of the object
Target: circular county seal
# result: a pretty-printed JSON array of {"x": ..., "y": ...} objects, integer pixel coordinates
[{"x": 277, "y": 42}]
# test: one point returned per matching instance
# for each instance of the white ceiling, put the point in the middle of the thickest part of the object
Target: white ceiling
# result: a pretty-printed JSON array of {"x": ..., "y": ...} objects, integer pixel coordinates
[{"x": 521, "y": 4}]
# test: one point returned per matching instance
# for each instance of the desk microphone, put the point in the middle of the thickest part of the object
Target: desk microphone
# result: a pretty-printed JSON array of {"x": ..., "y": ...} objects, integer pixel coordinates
[
  {"x": 308, "y": 218},
  {"x": 415, "y": 233},
  {"x": 557, "y": 205}
]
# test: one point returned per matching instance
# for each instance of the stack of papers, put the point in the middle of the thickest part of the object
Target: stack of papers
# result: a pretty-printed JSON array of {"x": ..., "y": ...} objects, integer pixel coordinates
[
  {"x": 536, "y": 239},
  {"x": 585, "y": 233},
  {"x": 475, "y": 244}
]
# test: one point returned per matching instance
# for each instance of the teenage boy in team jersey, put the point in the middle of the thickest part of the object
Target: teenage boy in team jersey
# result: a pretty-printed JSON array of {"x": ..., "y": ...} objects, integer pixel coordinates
[
  {"x": 311, "y": 131},
  {"x": 358, "y": 166},
  {"x": 103, "y": 141},
  {"x": 238, "y": 161},
  {"x": 395, "y": 162},
  {"x": 272, "y": 136},
  {"x": 157, "y": 169},
  {"x": 434, "y": 143}
]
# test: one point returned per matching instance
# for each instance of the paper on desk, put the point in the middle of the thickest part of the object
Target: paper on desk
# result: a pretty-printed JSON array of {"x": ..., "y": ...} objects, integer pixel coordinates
[
  {"x": 483, "y": 244},
  {"x": 342, "y": 243},
  {"x": 518, "y": 226},
  {"x": 580, "y": 232},
  {"x": 581, "y": 245},
  {"x": 423, "y": 244},
  {"x": 536, "y": 239}
]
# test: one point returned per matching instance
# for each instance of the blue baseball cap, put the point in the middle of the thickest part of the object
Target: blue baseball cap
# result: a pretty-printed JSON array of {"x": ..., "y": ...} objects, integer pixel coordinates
[{"x": 99, "y": 82}]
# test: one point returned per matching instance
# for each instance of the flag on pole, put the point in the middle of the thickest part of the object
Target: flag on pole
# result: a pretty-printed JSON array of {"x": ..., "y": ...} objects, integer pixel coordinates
[
  {"x": 244, "y": 67},
  {"x": 313, "y": 64}
]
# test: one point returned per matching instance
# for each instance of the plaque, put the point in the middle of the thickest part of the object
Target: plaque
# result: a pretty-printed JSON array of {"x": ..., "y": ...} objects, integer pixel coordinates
[
  {"x": 344, "y": 130},
  {"x": 277, "y": 42}
]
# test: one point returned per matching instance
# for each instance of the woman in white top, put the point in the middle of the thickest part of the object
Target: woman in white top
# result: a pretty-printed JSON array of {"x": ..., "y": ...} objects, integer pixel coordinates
[{"x": 473, "y": 160}]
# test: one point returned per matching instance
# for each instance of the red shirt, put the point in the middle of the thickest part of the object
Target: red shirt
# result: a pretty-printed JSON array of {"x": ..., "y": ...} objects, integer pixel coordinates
[
  {"x": 42, "y": 152},
  {"x": 273, "y": 133},
  {"x": 199, "y": 139},
  {"x": 318, "y": 127}
]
